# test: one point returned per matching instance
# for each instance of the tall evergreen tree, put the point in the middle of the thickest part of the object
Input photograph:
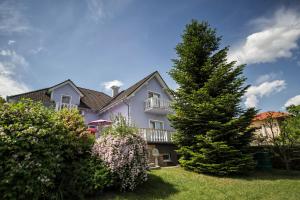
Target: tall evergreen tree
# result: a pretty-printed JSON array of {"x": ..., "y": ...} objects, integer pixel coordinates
[{"x": 213, "y": 133}]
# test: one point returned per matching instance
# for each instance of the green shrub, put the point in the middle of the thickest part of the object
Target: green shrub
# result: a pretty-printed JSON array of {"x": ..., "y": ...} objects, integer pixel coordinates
[
  {"x": 85, "y": 177},
  {"x": 38, "y": 148}
]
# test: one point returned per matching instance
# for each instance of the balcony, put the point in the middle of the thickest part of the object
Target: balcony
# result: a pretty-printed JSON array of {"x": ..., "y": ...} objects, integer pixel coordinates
[
  {"x": 156, "y": 135},
  {"x": 60, "y": 106},
  {"x": 157, "y": 106}
]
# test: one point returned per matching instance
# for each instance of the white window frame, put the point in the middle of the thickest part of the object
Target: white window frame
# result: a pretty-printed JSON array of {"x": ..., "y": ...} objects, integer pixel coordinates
[
  {"x": 64, "y": 95},
  {"x": 82, "y": 112},
  {"x": 166, "y": 160},
  {"x": 150, "y": 91},
  {"x": 153, "y": 120}
]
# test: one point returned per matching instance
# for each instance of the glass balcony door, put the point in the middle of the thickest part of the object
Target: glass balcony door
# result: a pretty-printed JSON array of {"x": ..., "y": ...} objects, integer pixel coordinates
[{"x": 156, "y": 124}]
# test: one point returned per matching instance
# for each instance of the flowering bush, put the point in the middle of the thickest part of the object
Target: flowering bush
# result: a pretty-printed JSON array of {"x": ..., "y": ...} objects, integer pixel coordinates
[
  {"x": 125, "y": 155},
  {"x": 38, "y": 150}
]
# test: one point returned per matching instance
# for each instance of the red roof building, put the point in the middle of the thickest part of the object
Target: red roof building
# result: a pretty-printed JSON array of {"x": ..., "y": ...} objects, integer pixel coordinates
[{"x": 270, "y": 114}]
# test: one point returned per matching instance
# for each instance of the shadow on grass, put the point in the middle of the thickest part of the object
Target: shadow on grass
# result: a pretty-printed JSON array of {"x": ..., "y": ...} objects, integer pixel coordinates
[
  {"x": 271, "y": 175},
  {"x": 274, "y": 174},
  {"x": 154, "y": 188}
]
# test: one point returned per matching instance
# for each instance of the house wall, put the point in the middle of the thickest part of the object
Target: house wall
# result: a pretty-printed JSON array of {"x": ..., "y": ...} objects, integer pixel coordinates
[
  {"x": 263, "y": 128},
  {"x": 66, "y": 90},
  {"x": 264, "y": 133},
  {"x": 121, "y": 108},
  {"x": 90, "y": 116},
  {"x": 137, "y": 105}
]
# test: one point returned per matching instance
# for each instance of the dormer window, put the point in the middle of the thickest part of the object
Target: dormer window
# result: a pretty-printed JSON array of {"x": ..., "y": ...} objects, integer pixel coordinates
[
  {"x": 65, "y": 99},
  {"x": 65, "y": 102},
  {"x": 153, "y": 94}
]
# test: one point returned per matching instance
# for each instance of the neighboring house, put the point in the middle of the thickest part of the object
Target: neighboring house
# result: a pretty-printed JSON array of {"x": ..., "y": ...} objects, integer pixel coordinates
[
  {"x": 267, "y": 125},
  {"x": 145, "y": 104}
]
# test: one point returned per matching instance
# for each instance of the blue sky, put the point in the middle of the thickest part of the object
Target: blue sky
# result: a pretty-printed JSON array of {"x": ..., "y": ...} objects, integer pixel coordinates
[{"x": 94, "y": 42}]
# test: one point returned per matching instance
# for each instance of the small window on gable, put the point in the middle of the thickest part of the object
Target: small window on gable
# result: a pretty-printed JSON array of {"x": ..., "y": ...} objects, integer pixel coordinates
[
  {"x": 153, "y": 94},
  {"x": 66, "y": 99}
]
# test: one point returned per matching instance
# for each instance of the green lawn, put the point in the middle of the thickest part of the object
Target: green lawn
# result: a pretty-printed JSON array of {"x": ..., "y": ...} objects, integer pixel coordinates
[{"x": 176, "y": 183}]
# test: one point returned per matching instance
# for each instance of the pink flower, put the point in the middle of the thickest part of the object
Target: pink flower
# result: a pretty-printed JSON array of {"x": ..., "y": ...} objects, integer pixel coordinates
[{"x": 126, "y": 156}]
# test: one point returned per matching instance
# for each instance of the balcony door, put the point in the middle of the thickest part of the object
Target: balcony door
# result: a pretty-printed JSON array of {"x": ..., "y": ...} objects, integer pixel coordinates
[
  {"x": 154, "y": 99},
  {"x": 156, "y": 124}
]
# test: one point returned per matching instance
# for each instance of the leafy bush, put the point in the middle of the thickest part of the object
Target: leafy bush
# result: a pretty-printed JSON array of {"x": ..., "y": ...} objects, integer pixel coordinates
[
  {"x": 124, "y": 154},
  {"x": 85, "y": 177},
  {"x": 120, "y": 127},
  {"x": 38, "y": 147},
  {"x": 83, "y": 174}
]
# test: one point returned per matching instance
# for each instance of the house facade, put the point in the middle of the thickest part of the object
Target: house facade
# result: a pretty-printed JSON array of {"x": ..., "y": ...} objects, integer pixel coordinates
[
  {"x": 145, "y": 104},
  {"x": 267, "y": 126}
]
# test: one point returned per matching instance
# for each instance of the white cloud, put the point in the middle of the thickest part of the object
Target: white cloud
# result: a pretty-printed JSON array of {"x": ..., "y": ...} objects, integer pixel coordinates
[
  {"x": 12, "y": 19},
  {"x": 10, "y": 63},
  {"x": 267, "y": 77},
  {"x": 109, "y": 84},
  {"x": 15, "y": 58},
  {"x": 103, "y": 9},
  {"x": 11, "y": 42},
  {"x": 37, "y": 50},
  {"x": 277, "y": 38},
  {"x": 254, "y": 93},
  {"x": 293, "y": 101}
]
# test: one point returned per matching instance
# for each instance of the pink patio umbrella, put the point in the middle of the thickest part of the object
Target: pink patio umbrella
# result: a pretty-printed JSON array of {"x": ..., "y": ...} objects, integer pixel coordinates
[{"x": 99, "y": 123}]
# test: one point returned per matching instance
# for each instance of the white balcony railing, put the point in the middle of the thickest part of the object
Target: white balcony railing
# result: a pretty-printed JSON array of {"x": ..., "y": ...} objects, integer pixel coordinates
[
  {"x": 60, "y": 106},
  {"x": 157, "y": 105},
  {"x": 156, "y": 135}
]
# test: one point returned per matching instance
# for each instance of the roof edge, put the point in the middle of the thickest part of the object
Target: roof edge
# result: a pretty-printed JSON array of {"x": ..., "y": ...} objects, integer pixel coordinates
[
  {"x": 150, "y": 76},
  {"x": 68, "y": 81},
  {"x": 16, "y": 95}
]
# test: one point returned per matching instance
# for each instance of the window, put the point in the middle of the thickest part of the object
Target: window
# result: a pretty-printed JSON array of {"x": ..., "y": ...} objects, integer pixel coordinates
[
  {"x": 153, "y": 94},
  {"x": 156, "y": 124},
  {"x": 92, "y": 126},
  {"x": 166, "y": 157},
  {"x": 81, "y": 112},
  {"x": 66, "y": 99}
]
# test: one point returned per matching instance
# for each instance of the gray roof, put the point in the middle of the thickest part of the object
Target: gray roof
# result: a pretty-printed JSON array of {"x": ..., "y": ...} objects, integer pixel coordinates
[
  {"x": 97, "y": 101},
  {"x": 92, "y": 99}
]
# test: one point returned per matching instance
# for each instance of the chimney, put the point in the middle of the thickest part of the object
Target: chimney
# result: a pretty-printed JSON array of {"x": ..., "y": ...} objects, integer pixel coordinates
[{"x": 115, "y": 90}]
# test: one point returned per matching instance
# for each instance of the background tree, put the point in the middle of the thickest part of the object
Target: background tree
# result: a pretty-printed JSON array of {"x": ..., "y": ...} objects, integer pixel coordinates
[
  {"x": 213, "y": 131},
  {"x": 2, "y": 101}
]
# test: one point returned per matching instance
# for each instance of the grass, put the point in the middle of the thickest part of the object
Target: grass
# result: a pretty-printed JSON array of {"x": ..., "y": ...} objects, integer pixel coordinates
[{"x": 176, "y": 183}]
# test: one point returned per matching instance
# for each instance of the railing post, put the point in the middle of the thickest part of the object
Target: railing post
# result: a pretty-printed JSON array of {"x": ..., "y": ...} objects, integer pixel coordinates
[
  {"x": 145, "y": 134},
  {"x": 166, "y": 136},
  {"x": 56, "y": 106},
  {"x": 156, "y": 135}
]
